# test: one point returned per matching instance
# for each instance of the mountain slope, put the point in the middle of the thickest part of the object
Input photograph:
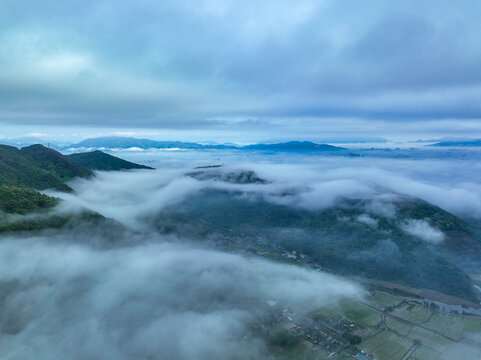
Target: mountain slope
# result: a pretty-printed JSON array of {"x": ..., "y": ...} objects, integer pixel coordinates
[
  {"x": 98, "y": 160},
  {"x": 36, "y": 167},
  {"x": 130, "y": 142},
  {"x": 467, "y": 143},
  {"x": 17, "y": 169},
  {"x": 114, "y": 142},
  {"x": 21, "y": 200},
  {"x": 54, "y": 162},
  {"x": 294, "y": 146},
  {"x": 348, "y": 238}
]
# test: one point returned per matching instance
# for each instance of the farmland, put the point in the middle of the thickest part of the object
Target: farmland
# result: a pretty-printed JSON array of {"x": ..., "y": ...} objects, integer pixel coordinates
[{"x": 390, "y": 328}]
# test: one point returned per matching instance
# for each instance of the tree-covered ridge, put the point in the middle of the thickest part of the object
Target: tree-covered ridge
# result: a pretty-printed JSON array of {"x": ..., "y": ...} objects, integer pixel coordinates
[
  {"x": 25, "y": 171},
  {"x": 337, "y": 238},
  {"x": 22, "y": 200},
  {"x": 98, "y": 160},
  {"x": 18, "y": 169},
  {"x": 55, "y": 163}
]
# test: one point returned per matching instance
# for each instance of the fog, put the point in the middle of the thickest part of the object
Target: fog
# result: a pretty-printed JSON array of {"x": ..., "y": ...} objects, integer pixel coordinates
[
  {"x": 423, "y": 230},
  {"x": 311, "y": 183},
  {"x": 143, "y": 295},
  {"x": 158, "y": 299}
]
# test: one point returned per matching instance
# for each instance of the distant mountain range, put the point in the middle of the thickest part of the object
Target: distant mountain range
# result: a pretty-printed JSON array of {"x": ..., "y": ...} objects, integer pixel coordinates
[
  {"x": 460, "y": 143},
  {"x": 293, "y": 146},
  {"x": 98, "y": 160},
  {"x": 115, "y": 142}
]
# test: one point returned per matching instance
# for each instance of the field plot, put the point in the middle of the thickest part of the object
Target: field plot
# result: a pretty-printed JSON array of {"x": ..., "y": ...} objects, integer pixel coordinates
[
  {"x": 459, "y": 350},
  {"x": 424, "y": 353},
  {"x": 447, "y": 325},
  {"x": 398, "y": 326},
  {"x": 384, "y": 300},
  {"x": 345, "y": 357},
  {"x": 429, "y": 339},
  {"x": 326, "y": 312},
  {"x": 412, "y": 313},
  {"x": 472, "y": 325},
  {"x": 358, "y": 313},
  {"x": 387, "y": 345}
]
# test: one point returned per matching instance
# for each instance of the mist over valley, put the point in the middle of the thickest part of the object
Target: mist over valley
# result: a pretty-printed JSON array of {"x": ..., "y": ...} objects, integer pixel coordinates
[{"x": 199, "y": 254}]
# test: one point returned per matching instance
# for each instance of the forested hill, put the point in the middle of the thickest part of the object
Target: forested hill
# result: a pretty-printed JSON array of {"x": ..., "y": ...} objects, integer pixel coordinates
[
  {"x": 98, "y": 160},
  {"x": 20, "y": 168},
  {"x": 25, "y": 171},
  {"x": 55, "y": 163}
]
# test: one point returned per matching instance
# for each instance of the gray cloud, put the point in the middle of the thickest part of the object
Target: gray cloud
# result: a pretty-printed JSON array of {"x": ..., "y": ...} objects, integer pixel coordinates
[
  {"x": 155, "y": 300},
  {"x": 131, "y": 197},
  {"x": 183, "y": 64},
  {"x": 424, "y": 231},
  {"x": 167, "y": 298}
]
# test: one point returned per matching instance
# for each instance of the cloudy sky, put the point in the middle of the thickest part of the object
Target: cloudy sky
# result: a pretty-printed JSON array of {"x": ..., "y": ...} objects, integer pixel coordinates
[{"x": 227, "y": 69}]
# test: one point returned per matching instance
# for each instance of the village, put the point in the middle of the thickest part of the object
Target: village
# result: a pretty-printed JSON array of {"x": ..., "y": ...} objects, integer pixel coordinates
[{"x": 377, "y": 326}]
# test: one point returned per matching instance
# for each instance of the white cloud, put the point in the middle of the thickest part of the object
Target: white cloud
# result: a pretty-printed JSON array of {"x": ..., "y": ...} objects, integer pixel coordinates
[
  {"x": 424, "y": 231},
  {"x": 154, "y": 300},
  {"x": 366, "y": 219}
]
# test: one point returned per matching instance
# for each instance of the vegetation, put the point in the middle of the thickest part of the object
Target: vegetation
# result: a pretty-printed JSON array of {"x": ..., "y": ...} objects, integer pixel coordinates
[
  {"x": 54, "y": 162},
  {"x": 293, "y": 146},
  {"x": 98, "y": 160},
  {"x": 21, "y": 200},
  {"x": 234, "y": 177},
  {"x": 36, "y": 167},
  {"x": 19, "y": 169},
  {"x": 333, "y": 238},
  {"x": 41, "y": 221},
  {"x": 284, "y": 338},
  {"x": 352, "y": 338}
]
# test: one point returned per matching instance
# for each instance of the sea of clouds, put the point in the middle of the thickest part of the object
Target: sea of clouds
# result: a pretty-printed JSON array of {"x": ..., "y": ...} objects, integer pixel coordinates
[
  {"x": 155, "y": 300},
  {"x": 146, "y": 296}
]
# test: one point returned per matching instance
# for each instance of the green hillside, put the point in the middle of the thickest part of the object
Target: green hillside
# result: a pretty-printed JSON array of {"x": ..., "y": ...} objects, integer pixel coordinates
[
  {"x": 25, "y": 171},
  {"x": 19, "y": 169},
  {"x": 54, "y": 162},
  {"x": 98, "y": 160},
  {"x": 333, "y": 238},
  {"x": 21, "y": 200}
]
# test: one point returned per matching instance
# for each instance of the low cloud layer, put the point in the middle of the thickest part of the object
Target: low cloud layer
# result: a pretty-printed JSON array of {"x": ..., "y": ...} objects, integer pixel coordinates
[
  {"x": 156, "y": 300},
  {"x": 146, "y": 296},
  {"x": 312, "y": 183},
  {"x": 424, "y": 231}
]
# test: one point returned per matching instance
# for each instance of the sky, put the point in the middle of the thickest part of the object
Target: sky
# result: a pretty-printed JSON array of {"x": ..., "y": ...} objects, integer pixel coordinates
[{"x": 240, "y": 70}]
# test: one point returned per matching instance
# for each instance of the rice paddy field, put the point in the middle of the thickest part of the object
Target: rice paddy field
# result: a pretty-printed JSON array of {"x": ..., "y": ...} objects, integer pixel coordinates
[
  {"x": 398, "y": 326},
  {"x": 384, "y": 300},
  {"x": 359, "y": 313},
  {"x": 406, "y": 331},
  {"x": 415, "y": 314},
  {"x": 387, "y": 345}
]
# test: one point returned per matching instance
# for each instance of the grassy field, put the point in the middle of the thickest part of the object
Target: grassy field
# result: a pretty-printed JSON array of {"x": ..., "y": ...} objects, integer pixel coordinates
[
  {"x": 398, "y": 326},
  {"x": 459, "y": 351},
  {"x": 358, "y": 313},
  {"x": 384, "y": 299},
  {"x": 424, "y": 353},
  {"x": 387, "y": 345},
  {"x": 429, "y": 339},
  {"x": 472, "y": 325},
  {"x": 412, "y": 313},
  {"x": 437, "y": 336},
  {"x": 447, "y": 325},
  {"x": 327, "y": 312}
]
